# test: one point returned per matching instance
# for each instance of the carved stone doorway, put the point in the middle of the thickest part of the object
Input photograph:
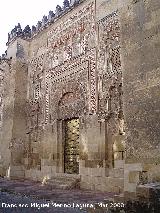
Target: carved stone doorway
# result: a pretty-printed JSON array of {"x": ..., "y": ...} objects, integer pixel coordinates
[{"x": 71, "y": 147}]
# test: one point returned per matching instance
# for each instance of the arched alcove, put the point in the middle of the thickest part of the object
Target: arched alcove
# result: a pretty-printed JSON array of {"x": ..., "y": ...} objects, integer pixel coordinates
[{"x": 70, "y": 105}]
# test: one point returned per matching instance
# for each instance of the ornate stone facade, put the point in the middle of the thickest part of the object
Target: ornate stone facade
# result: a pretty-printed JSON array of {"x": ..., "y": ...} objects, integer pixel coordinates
[
  {"x": 66, "y": 94},
  {"x": 109, "y": 71},
  {"x": 74, "y": 74}
]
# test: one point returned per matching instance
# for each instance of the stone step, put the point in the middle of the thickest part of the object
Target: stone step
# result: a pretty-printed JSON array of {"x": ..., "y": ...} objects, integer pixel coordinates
[
  {"x": 119, "y": 198},
  {"x": 115, "y": 184},
  {"x": 116, "y": 173},
  {"x": 59, "y": 181},
  {"x": 104, "y": 184},
  {"x": 63, "y": 181},
  {"x": 65, "y": 175},
  {"x": 148, "y": 191},
  {"x": 62, "y": 185},
  {"x": 16, "y": 172}
]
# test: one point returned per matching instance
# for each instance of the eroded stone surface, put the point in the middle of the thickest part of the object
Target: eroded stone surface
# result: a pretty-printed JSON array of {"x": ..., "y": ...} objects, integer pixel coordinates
[{"x": 99, "y": 64}]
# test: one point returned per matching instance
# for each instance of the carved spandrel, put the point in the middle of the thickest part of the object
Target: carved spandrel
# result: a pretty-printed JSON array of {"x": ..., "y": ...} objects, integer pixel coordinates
[{"x": 71, "y": 76}]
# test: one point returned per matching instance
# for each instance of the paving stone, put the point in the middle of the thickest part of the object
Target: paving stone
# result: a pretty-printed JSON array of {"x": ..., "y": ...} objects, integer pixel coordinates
[{"x": 36, "y": 193}]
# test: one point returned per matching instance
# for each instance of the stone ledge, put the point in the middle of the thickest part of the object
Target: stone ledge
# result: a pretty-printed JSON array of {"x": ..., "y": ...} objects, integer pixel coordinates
[{"x": 149, "y": 191}]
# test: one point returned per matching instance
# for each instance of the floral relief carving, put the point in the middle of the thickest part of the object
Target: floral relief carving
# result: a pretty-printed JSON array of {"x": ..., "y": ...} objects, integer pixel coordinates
[
  {"x": 110, "y": 73},
  {"x": 74, "y": 36},
  {"x": 69, "y": 59}
]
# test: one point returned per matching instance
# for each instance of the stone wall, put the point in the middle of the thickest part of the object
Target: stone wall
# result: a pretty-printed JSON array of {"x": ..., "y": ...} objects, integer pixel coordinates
[
  {"x": 65, "y": 81},
  {"x": 60, "y": 74},
  {"x": 14, "y": 94},
  {"x": 140, "y": 56},
  {"x": 96, "y": 61},
  {"x": 7, "y": 85}
]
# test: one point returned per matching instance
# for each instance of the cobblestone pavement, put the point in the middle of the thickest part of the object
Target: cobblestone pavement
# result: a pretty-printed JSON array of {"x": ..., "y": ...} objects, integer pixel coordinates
[{"x": 28, "y": 196}]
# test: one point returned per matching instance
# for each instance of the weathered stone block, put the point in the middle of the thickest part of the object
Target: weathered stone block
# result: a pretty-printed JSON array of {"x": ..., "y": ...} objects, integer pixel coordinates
[
  {"x": 149, "y": 191},
  {"x": 133, "y": 177},
  {"x": 119, "y": 164},
  {"x": 117, "y": 173}
]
